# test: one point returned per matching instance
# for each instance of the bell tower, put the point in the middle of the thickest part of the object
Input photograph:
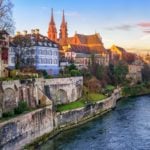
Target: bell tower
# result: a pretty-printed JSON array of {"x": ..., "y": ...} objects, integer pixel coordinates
[
  {"x": 52, "y": 31},
  {"x": 63, "y": 35}
]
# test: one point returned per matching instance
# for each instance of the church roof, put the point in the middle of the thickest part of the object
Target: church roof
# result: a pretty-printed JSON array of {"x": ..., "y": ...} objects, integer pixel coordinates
[
  {"x": 89, "y": 39},
  {"x": 84, "y": 49},
  {"x": 119, "y": 48}
]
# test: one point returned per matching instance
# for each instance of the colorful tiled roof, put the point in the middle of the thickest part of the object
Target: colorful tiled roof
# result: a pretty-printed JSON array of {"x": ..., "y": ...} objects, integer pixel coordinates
[
  {"x": 84, "y": 49},
  {"x": 86, "y": 39},
  {"x": 34, "y": 40}
]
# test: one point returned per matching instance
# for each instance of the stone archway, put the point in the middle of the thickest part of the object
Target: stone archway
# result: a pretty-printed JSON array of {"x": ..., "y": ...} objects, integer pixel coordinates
[
  {"x": 62, "y": 97},
  {"x": 9, "y": 100}
]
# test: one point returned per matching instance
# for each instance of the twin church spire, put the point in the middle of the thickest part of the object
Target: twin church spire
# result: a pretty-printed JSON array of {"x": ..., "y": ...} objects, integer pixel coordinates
[{"x": 52, "y": 31}]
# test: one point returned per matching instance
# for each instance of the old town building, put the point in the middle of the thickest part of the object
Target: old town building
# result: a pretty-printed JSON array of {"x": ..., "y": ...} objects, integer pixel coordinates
[
  {"x": 79, "y": 47},
  {"x": 135, "y": 71},
  {"x": 117, "y": 53},
  {"x": 37, "y": 51},
  {"x": 4, "y": 46}
]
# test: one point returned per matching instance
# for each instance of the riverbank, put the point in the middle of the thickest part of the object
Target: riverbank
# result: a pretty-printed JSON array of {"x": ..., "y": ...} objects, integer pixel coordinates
[
  {"x": 125, "y": 127},
  {"x": 72, "y": 118},
  {"x": 77, "y": 122},
  {"x": 37, "y": 127}
]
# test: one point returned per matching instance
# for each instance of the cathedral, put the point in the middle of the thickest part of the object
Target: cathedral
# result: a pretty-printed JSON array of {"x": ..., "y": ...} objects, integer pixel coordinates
[{"x": 78, "y": 47}]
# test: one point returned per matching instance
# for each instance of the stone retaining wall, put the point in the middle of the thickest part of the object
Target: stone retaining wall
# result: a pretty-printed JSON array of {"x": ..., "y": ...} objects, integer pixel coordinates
[
  {"x": 21, "y": 130},
  {"x": 24, "y": 129},
  {"x": 72, "y": 117},
  {"x": 58, "y": 91}
]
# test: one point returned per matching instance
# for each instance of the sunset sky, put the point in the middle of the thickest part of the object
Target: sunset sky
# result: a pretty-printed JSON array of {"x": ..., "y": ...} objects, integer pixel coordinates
[{"x": 122, "y": 22}]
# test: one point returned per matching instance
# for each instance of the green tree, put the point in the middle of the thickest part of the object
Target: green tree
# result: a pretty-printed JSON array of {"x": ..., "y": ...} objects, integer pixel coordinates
[
  {"x": 120, "y": 72},
  {"x": 146, "y": 73}
]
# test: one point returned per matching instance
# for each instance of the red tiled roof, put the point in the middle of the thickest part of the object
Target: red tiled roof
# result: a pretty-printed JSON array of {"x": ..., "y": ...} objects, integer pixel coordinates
[
  {"x": 86, "y": 39},
  {"x": 84, "y": 49},
  {"x": 89, "y": 39}
]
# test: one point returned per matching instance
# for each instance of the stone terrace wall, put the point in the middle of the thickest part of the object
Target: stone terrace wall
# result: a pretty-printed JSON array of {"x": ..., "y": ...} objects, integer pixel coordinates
[
  {"x": 24, "y": 129},
  {"x": 62, "y": 90},
  {"x": 17, "y": 132},
  {"x": 73, "y": 117},
  {"x": 36, "y": 93}
]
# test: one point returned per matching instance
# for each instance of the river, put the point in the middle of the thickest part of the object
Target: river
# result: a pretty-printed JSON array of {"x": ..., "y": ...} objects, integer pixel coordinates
[{"x": 127, "y": 127}]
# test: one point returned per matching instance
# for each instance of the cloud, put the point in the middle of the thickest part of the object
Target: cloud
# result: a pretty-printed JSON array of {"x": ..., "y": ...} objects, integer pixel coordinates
[
  {"x": 144, "y": 24},
  {"x": 145, "y": 27},
  {"x": 147, "y": 31},
  {"x": 124, "y": 27}
]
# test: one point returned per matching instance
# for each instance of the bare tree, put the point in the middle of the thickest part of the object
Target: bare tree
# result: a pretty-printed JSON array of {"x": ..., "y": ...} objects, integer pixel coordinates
[
  {"x": 23, "y": 48},
  {"x": 6, "y": 19}
]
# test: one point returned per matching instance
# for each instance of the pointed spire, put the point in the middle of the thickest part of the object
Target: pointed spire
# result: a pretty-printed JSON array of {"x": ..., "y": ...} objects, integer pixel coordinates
[
  {"x": 52, "y": 17},
  {"x": 63, "y": 18},
  {"x": 52, "y": 31}
]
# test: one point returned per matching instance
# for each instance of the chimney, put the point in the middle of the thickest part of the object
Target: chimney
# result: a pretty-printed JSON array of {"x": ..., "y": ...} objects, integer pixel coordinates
[
  {"x": 25, "y": 32},
  {"x": 37, "y": 31},
  {"x": 18, "y": 33},
  {"x": 32, "y": 31}
]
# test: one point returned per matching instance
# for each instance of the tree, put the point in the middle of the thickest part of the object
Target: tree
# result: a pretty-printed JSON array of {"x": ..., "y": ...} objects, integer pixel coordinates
[
  {"x": 111, "y": 73},
  {"x": 120, "y": 72},
  {"x": 22, "y": 47},
  {"x": 6, "y": 21},
  {"x": 146, "y": 73}
]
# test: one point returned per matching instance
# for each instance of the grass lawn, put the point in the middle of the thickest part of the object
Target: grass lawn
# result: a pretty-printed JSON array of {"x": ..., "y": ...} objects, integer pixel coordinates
[
  {"x": 92, "y": 97},
  {"x": 110, "y": 87},
  {"x": 73, "y": 105}
]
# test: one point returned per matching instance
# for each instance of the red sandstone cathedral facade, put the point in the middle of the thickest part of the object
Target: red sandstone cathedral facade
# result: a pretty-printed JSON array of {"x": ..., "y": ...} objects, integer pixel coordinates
[{"x": 79, "y": 43}]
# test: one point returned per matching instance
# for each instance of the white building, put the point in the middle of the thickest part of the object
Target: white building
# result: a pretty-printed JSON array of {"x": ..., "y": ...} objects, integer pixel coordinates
[{"x": 38, "y": 51}]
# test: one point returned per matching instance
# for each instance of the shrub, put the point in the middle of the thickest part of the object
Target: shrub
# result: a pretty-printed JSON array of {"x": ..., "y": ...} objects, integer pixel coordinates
[
  {"x": 75, "y": 73},
  {"x": 13, "y": 73},
  {"x": 8, "y": 114},
  {"x": 22, "y": 107},
  {"x": 45, "y": 74},
  {"x": 49, "y": 77}
]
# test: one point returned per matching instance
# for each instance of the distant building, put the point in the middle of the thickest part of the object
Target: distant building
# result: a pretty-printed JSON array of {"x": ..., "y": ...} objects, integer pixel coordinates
[
  {"x": 4, "y": 46},
  {"x": 39, "y": 52},
  {"x": 135, "y": 71},
  {"x": 81, "y": 56},
  {"x": 117, "y": 53}
]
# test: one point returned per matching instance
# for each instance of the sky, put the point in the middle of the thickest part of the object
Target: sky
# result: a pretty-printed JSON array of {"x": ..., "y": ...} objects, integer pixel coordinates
[{"x": 125, "y": 23}]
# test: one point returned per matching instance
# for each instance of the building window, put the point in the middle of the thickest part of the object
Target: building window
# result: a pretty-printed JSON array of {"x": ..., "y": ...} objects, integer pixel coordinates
[
  {"x": 12, "y": 60},
  {"x": 50, "y": 61}
]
